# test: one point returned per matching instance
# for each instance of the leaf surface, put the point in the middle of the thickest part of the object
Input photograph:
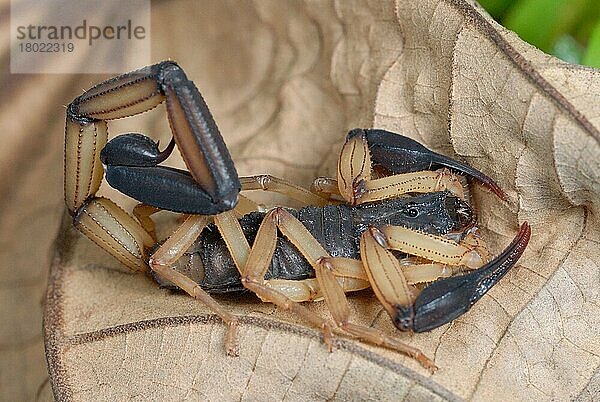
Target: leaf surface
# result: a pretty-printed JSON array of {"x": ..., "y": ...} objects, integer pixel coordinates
[{"x": 286, "y": 81}]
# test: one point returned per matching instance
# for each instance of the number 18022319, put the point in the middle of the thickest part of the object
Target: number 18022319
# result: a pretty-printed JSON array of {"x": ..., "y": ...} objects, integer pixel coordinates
[{"x": 46, "y": 47}]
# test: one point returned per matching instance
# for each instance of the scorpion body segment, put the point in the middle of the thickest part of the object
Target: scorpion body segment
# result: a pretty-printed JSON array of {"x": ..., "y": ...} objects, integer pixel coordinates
[
  {"x": 394, "y": 219},
  {"x": 336, "y": 227}
]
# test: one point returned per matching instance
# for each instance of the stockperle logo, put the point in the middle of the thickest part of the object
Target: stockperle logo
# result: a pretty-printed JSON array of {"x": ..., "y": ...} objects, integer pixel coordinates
[{"x": 79, "y": 36}]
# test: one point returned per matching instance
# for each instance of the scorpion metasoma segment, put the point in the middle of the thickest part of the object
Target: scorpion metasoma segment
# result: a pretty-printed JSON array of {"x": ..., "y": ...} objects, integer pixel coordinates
[{"x": 396, "y": 219}]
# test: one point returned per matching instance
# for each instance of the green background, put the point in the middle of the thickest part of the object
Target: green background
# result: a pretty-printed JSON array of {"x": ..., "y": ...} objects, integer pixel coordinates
[{"x": 568, "y": 29}]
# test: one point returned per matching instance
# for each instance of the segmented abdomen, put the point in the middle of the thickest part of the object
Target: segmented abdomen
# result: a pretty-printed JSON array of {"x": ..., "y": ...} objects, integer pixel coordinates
[{"x": 209, "y": 263}]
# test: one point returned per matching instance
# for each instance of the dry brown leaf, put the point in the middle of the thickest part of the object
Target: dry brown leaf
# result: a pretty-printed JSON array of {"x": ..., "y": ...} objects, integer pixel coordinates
[{"x": 285, "y": 81}]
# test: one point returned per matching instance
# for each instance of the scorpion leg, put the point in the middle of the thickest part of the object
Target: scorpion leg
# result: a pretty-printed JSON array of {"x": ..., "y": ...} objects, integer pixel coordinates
[
  {"x": 400, "y": 154},
  {"x": 337, "y": 303},
  {"x": 246, "y": 206},
  {"x": 171, "y": 250},
  {"x": 143, "y": 212},
  {"x": 254, "y": 264},
  {"x": 349, "y": 276},
  {"x": 415, "y": 272},
  {"x": 357, "y": 186},
  {"x": 326, "y": 187},
  {"x": 350, "y": 269},
  {"x": 274, "y": 184},
  {"x": 333, "y": 291},
  {"x": 443, "y": 300}
]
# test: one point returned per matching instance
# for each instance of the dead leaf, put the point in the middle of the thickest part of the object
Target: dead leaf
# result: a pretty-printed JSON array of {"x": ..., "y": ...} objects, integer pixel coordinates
[{"x": 285, "y": 81}]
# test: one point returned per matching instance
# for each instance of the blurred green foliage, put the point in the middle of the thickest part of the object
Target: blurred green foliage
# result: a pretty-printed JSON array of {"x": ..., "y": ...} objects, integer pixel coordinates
[{"x": 568, "y": 29}]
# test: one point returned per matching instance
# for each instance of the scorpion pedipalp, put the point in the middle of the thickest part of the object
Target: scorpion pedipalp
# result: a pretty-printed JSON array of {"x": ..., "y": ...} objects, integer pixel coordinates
[
  {"x": 448, "y": 298},
  {"x": 131, "y": 164},
  {"x": 400, "y": 154}
]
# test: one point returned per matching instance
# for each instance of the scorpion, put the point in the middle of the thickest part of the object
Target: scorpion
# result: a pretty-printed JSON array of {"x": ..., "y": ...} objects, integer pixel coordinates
[{"x": 396, "y": 219}]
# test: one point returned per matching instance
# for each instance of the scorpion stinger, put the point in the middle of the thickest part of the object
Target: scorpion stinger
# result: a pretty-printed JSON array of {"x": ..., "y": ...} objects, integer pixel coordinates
[
  {"x": 131, "y": 164},
  {"x": 212, "y": 184},
  {"x": 400, "y": 154}
]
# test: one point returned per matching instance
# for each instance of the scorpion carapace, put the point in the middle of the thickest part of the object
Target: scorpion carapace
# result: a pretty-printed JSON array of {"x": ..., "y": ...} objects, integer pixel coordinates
[{"x": 393, "y": 233}]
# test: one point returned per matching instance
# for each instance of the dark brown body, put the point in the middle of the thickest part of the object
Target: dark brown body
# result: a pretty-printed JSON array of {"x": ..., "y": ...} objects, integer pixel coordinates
[{"x": 336, "y": 227}]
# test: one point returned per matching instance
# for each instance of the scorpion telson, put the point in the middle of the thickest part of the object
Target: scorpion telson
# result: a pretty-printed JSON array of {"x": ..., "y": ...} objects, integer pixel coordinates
[{"x": 392, "y": 232}]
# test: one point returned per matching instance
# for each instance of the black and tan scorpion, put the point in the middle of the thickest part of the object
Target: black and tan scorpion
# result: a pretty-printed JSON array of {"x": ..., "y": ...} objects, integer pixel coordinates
[{"x": 396, "y": 215}]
